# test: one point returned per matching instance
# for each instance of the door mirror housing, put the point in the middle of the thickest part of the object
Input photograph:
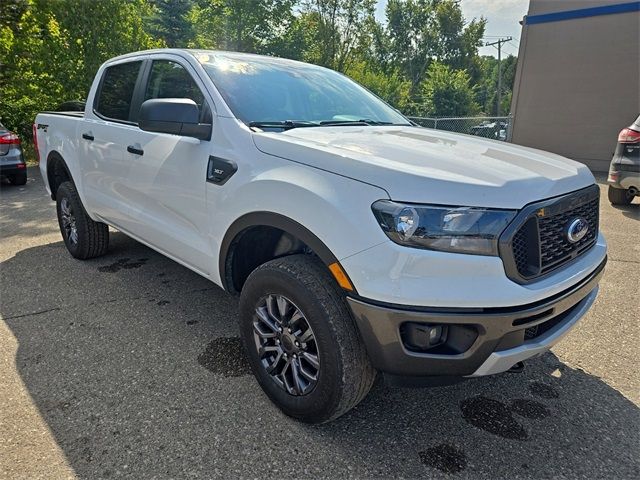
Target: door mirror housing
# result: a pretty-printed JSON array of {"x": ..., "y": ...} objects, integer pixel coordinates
[{"x": 177, "y": 116}]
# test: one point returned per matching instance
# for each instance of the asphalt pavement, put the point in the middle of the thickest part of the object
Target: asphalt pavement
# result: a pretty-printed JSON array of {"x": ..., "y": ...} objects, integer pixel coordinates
[{"x": 130, "y": 365}]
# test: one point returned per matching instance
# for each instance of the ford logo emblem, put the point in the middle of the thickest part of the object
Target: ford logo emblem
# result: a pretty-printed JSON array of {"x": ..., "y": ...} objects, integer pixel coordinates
[{"x": 577, "y": 229}]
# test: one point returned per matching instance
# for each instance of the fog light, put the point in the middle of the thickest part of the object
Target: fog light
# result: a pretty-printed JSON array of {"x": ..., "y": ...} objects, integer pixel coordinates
[
  {"x": 435, "y": 333},
  {"x": 422, "y": 337}
]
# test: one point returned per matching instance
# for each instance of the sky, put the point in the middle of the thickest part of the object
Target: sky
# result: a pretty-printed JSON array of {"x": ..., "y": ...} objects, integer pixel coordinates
[{"x": 502, "y": 20}]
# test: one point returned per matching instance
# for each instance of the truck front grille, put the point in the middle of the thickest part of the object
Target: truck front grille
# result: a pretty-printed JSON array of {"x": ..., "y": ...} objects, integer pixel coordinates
[
  {"x": 555, "y": 249},
  {"x": 538, "y": 240}
]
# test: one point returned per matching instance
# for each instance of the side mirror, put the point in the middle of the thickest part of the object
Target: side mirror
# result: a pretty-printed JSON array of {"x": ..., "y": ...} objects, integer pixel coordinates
[{"x": 177, "y": 116}]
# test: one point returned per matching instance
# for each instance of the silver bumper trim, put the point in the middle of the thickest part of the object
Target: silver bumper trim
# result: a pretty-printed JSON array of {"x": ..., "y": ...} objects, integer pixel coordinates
[{"x": 502, "y": 361}]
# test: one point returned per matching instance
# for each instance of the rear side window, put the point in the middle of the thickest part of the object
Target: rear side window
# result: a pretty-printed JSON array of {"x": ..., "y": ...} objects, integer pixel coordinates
[
  {"x": 169, "y": 79},
  {"x": 116, "y": 91}
]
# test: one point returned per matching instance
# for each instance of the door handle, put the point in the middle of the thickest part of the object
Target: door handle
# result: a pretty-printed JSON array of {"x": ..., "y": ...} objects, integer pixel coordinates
[
  {"x": 134, "y": 150},
  {"x": 87, "y": 136}
]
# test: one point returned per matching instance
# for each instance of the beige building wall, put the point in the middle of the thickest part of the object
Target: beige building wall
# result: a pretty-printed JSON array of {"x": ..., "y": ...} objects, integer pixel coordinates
[{"x": 577, "y": 81}]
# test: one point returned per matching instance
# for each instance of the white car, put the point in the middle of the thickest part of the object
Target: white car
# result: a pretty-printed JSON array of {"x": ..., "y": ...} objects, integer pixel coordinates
[{"x": 357, "y": 242}]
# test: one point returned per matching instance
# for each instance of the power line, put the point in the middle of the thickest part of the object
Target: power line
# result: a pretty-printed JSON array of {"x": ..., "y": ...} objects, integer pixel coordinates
[{"x": 499, "y": 43}]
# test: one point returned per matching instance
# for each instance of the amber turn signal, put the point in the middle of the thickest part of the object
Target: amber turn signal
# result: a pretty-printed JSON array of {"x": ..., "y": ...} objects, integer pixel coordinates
[{"x": 340, "y": 276}]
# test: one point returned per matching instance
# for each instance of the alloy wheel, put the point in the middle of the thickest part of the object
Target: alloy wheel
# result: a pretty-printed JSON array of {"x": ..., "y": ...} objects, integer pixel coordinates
[
  {"x": 68, "y": 221},
  {"x": 286, "y": 345}
]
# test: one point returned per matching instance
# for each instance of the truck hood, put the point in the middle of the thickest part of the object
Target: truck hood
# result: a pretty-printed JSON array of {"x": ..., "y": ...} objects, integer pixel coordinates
[{"x": 430, "y": 166}]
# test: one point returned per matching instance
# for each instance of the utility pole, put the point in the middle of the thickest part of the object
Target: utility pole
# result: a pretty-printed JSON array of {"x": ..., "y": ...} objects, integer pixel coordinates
[{"x": 499, "y": 43}]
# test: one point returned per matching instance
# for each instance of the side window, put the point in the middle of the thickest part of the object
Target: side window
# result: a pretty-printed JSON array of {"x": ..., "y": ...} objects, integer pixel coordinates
[
  {"x": 169, "y": 79},
  {"x": 116, "y": 91}
]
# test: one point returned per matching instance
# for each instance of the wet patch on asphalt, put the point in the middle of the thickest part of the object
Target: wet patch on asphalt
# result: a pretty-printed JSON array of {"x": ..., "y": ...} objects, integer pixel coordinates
[
  {"x": 492, "y": 416},
  {"x": 529, "y": 409},
  {"x": 543, "y": 390},
  {"x": 123, "y": 263},
  {"x": 446, "y": 458},
  {"x": 225, "y": 356}
]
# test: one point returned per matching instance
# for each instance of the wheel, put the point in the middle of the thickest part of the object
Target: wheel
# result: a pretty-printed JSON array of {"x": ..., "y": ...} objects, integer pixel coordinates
[
  {"x": 303, "y": 345},
  {"x": 83, "y": 237},
  {"x": 619, "y": 196},
  {"x": 18, "y": 178}
]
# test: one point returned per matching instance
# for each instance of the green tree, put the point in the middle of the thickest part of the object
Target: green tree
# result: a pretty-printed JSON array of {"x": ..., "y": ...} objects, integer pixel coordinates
[
  {"x": 421, "y": 31},
  {"x": 98, "y": 31},
  {"x": 169, "y": 22},
  {"x": 392, "y": 88},
  {"x": 411, "y": 37},
  {"x": 487, "y": 85},
  {"x": 52, "y": 50},
  {"x": 447, "y": 92},
  {"x": 241, "y": 25},
  {"x": 338, "y": 30},
  {"x": 30, "y": 48},
  {"x": 457, "y": 42}
]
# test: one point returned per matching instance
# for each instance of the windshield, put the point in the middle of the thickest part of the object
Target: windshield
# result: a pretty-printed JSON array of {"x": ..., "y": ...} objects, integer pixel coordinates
[{"x": 260, "y": 89}]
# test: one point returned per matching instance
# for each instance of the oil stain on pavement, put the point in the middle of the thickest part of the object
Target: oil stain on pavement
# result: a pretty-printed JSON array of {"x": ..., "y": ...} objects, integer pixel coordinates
[
  {"x": 446, "y": 458},
  {"x": 225, "y": 356},
  {"x": 123, "y": 263}
]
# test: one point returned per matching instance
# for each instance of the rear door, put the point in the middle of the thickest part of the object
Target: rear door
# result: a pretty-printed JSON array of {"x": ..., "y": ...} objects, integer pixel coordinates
[
  {"x": 168, "y": 172},
  {"x": 104, "y": 136}
]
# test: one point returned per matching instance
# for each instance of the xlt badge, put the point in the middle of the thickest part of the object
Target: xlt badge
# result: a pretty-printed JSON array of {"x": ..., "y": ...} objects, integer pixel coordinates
[{"x": 220, "y": 170}]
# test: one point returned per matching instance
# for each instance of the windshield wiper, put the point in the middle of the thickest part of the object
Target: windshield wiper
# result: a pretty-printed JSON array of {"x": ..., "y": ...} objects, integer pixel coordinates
[
  {"x": 289, "y": 124},
  {"x": 361, "y": 122},
  {"x": 284, "y": 124}
]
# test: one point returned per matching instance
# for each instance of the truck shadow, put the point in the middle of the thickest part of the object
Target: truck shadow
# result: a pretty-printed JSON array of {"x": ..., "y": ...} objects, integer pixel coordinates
[{"x": 134, "y": 363}]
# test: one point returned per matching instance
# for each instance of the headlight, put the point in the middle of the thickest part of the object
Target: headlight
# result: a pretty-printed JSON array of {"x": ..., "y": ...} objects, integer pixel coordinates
[{"x": 451, "y": 229}]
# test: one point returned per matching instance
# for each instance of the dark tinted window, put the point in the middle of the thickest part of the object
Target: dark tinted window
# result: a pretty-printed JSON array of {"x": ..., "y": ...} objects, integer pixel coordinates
[
  {"x": 116, "y": 93},
  {"x": 170, "y": 80}
]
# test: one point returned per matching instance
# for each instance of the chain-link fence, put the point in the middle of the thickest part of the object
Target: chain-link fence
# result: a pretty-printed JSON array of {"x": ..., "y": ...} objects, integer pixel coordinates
[{"x": 497, "y": 128}]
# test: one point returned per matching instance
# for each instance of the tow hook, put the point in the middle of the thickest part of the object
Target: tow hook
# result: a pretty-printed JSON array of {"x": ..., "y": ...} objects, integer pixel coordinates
[{"x": 517, "y": 368}]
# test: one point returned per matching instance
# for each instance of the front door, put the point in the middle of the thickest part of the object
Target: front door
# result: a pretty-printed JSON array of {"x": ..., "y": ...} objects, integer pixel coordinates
[{"x": 167, "y": 176}]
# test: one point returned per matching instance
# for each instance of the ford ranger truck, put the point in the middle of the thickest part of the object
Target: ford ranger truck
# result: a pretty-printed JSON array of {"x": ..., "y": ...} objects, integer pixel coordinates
[{"x": 357, "y": 242}]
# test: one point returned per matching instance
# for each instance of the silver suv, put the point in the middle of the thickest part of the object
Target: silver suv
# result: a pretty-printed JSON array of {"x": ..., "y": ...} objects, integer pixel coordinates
[
  {"x": 624, "y": 172},
  {"x": 12, "y": 163}
]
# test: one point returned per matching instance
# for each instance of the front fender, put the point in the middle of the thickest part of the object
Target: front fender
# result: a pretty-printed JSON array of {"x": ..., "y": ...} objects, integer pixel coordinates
[{"x": 332, "y": 212}]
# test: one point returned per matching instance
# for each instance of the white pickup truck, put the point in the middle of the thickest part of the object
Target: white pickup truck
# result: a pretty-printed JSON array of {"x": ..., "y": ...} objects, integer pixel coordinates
[{"x": 357, "y": 242}]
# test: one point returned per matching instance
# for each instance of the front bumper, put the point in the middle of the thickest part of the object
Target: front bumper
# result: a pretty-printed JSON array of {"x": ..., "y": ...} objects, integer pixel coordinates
[{"x": 484, "y": 341}]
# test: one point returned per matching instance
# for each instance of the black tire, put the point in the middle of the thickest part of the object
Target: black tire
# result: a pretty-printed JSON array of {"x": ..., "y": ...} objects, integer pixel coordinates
[
  {"x": 619, "y": 196},
  {"x": 91, "y": 238},
  {"x": 18, "y": 178},
  {"x": 345, "y": 375}
]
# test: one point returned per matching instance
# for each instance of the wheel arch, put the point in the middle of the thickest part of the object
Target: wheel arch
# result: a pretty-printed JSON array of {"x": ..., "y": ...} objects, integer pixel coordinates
[
  {"x": 57, "y": 172},
  {"x": 298, "y": 235}
]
